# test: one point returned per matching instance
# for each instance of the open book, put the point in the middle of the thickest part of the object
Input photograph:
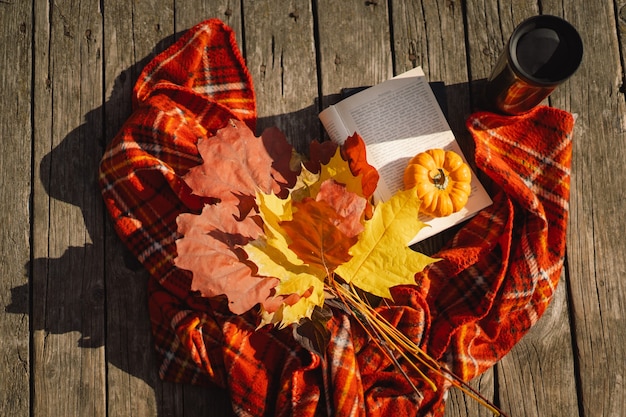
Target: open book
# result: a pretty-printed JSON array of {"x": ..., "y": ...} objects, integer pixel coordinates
[{"x": 398, "y": 119}]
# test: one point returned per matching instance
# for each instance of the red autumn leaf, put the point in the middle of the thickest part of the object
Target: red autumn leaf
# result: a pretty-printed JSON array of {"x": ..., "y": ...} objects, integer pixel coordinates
[
  {"x": 320, "y": 154},
  {"x": 280, "y": 151},
  {"x": 354, "y": 151},
  {"x": 315, "y": 237}
]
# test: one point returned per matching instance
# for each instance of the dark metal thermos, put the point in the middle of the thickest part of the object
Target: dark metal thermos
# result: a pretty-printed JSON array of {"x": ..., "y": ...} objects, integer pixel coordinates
[{"x": 542, "y": 52}]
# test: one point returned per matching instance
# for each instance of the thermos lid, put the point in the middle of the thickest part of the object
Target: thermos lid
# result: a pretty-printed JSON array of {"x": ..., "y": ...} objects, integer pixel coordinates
[{"x": 545, "y": 50}]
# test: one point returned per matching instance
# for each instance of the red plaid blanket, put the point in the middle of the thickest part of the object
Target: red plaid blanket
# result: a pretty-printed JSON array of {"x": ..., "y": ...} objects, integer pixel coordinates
[{"x": 497, "y": 277}]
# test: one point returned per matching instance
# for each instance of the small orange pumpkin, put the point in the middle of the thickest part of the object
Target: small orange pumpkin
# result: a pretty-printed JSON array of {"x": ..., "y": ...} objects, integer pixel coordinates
[{"x": 442, "y": 180}]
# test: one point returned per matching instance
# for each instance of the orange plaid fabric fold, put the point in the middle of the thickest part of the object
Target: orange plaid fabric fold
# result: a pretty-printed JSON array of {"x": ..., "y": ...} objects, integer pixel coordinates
[{"x": 498, "y": 274}]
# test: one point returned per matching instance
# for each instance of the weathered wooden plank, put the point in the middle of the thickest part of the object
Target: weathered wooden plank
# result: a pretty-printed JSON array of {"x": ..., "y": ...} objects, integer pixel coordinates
[
  {"x": 489, "y": 24},
  {"x": 131, "y": 366},
  {"x": 15, "y": 180},
  {"x": 208, "y": 401},
  {"x": 280, "y": 54},
  {"x": 134, "y": 32},
  {"x": 532, "y": 376},
  {"x": 42, "y": 102},
  {"x": 192, "y": 13},
  {"x": 459, "y": 404},
  {"x": 431, "y": 34},
  {"x": 67, "y": 269},
  {"x": 596, "y": 244},
  {"x": 354, "y": 45}
]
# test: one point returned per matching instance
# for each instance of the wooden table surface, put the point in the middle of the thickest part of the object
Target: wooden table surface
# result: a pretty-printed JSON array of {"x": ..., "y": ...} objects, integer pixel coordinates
[{"x": 74, "y": 330}]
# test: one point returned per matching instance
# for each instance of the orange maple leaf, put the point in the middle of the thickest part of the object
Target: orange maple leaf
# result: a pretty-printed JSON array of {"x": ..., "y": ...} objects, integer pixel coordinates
[
  {"x": 315, "y": 237},
  {"x": 348, "y": 206}
]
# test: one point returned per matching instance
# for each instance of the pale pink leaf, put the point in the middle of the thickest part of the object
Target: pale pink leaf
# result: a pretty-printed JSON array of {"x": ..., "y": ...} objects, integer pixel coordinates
[{"x": 218, "y": 270}]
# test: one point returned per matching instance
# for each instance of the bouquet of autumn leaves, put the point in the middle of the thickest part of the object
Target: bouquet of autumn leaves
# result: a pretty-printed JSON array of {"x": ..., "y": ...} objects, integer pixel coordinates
[{"x": 297, "y": 237}]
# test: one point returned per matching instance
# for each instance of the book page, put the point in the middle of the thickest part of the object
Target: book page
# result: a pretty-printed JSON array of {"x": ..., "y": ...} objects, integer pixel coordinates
[
  {"x": 334, "y": 125},
  {"x": 398, "y": 119}
]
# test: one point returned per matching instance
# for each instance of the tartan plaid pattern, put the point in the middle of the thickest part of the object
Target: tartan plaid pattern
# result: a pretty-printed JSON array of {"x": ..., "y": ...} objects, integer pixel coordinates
[
  {"x": 498, "y": 274},
  {"x": 501, "y": 270}
]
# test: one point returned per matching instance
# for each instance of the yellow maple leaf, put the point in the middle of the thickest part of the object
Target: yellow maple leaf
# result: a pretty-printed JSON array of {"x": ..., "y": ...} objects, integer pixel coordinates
[
  {"x": 381, "y": 258},
  {"x": 294, "y": 279},
  {"x": 274, "y": 210},
  {"x": 292, "y": 314}
]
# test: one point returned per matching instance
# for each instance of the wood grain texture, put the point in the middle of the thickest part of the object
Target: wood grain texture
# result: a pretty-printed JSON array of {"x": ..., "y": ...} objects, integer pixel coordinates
[
  {"x": 134, "y": 34},
  {"x": 201, "y": 401},
  {"x": 460, "y": 404},
  {"x": 529, "y": 377},
  {"x": 342, "y": 66},
  {"x": 596, "y": 244},
  {"x": 15, "y": 183},
  {"x": 192, "y": 13},
  {"x": 280, "y": 53},
  {"x": 68, "y": 317},
  {"x": 431, "y": 34}
]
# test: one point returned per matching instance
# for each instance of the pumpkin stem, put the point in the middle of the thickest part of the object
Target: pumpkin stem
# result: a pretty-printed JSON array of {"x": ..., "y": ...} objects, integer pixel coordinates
[{"x": 440, "y": 179}]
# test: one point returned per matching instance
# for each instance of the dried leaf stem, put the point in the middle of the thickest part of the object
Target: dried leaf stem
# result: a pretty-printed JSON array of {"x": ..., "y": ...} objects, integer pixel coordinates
[{"x": 389, "y": 339}]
